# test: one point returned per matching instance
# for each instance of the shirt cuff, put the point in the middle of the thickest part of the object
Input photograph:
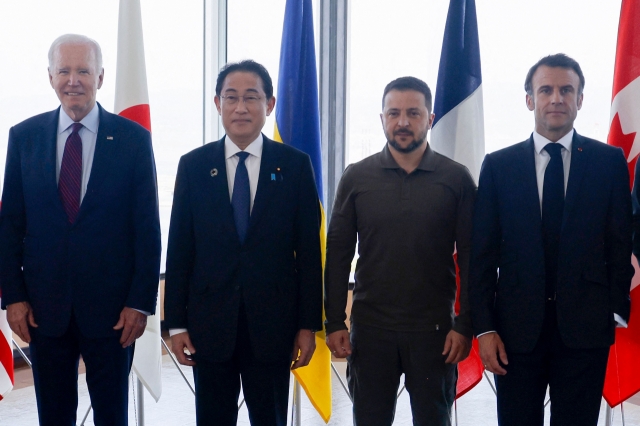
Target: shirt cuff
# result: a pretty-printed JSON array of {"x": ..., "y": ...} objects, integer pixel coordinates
[
  {"x": 486, "y": 332},
  {"x": 142, "y": 312},
  {"x": 174, "y": 331},
  {"x": 621, "y": 323}
]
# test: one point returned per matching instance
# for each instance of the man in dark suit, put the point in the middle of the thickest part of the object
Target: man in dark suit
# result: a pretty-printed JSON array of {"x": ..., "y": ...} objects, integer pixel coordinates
[
  {"x": 79, "y": 240},
  {"x": 243, "y": 278},
  {"x": 553, "y": 215}
]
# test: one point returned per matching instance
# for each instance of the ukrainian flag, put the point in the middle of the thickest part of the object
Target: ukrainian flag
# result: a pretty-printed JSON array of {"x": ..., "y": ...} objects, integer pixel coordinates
[{"x": 298, "y": 125}]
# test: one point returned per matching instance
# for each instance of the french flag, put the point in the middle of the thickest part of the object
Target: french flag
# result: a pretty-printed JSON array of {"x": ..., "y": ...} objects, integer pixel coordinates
[
  {"x": 623, "y": 375},
  {"x": 458, "y": 129},
  {"x": 132, "y": 102}
]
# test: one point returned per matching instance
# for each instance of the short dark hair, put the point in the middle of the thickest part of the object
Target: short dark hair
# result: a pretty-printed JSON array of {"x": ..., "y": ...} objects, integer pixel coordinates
[
  {"x": 248, "y": 65},
  {"x": 559, "y": 60},
  {"x": 409, "y": 83}
]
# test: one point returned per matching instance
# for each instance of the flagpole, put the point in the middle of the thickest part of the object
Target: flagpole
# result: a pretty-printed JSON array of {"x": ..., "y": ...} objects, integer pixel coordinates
[
  {"x": 609, "y": 414},
  {"x": 140, "y": 403},
  {"x": 297, "y": 389}
]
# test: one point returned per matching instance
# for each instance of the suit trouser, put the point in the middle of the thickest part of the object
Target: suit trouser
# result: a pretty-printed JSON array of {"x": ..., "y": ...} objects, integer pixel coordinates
[
  {"x": 265, "y": 386},
  {"x": 575, "y": 378},
  {"x": 378, "y": 359},
  {"x": 55, "y": 376}
]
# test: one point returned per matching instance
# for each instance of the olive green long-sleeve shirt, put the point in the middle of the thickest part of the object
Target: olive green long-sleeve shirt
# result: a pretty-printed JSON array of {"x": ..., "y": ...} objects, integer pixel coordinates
[{"x": 407, "y": 227}]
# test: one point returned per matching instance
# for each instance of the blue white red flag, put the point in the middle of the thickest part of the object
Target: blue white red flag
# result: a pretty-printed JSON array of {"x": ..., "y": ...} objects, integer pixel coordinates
[{"x": 458, "y": 129}]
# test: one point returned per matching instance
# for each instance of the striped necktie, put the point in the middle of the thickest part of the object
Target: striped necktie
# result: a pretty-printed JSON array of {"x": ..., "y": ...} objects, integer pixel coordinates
[{"x": 70, "y": 179}]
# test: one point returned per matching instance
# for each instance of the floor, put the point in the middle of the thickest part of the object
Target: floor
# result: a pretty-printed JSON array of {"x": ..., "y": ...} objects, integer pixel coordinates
[{"x": 176, "y": 406}]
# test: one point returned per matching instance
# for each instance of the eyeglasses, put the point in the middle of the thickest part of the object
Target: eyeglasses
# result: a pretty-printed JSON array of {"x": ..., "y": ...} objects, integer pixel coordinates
[{"x": 249, "y": 100}]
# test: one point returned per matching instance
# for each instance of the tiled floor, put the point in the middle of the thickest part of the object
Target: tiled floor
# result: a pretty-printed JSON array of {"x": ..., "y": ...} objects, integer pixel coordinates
[{"x": 176, "y": 406}]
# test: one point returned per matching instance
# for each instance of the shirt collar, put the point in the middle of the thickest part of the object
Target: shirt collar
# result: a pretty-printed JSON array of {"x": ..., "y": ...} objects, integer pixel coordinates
[
  {"x": 540, "y": 141},
  {"x": 254, "y": 148},
  {"x": 427, "y": 163},
  {"x": 90, "y": 121}
]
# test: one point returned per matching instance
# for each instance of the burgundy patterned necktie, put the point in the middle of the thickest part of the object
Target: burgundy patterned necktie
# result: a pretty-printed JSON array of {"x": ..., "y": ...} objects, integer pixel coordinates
[{"x": 70, "y": 179}]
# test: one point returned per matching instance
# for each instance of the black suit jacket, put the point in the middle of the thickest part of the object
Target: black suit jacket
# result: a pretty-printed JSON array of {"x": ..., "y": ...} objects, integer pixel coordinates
[
  {"x": 276, "y": 273},
  {"x": 109, "y": 257},
  {"x": 507, "y": 275}
]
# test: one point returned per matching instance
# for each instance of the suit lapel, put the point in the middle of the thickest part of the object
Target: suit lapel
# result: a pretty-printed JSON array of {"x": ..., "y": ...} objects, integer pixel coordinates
[
  {"x": 268, "y": 167},
  {"x": 214, "y": 171},
  {"x": 50, "y": 146},
  {"x": 579, "y": 157},
  {"x": 530, "y": 190},
  {"x": 103, "y": 161}
]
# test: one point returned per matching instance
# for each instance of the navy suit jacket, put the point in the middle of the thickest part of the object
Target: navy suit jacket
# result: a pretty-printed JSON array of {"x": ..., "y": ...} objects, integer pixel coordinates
[
  {"x": 507, "y": 275},
  {"x": 276, "y": 273},
  {"x": 109, "y": 257}
]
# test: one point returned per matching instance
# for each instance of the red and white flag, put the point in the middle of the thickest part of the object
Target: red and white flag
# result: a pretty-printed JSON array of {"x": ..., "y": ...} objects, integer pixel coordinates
[
  {"x": 623, "y": 375},
  {"x": 6, "y": 356},
  {"x": 132, "y": 102}
]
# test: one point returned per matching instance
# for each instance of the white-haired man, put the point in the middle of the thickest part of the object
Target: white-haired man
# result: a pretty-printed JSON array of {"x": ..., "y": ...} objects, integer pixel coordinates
[{"x": 79, "y": 240}]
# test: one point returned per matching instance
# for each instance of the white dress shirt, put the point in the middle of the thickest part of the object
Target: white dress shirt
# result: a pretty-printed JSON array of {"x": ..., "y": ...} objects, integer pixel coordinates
[
  {"x": 253, "y": 168},
  {"x": 542, "y": 159},
  {"x": 88, "y": 134}
]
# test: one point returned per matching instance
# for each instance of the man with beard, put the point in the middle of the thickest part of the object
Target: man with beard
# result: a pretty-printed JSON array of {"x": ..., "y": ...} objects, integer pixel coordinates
[{"x": 408, "y": 208}]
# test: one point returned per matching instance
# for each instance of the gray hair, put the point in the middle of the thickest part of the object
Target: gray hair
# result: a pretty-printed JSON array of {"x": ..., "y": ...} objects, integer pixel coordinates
[{"x": 75, "y": 39}]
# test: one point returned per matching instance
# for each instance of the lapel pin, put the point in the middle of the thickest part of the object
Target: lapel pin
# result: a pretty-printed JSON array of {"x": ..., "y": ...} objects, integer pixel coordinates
[
  {"x": 214, "y": 172},
  {"x": 277, "y": 176},
  {"x": 580, "y": 149},
  {"x": 109, "y": 138}
]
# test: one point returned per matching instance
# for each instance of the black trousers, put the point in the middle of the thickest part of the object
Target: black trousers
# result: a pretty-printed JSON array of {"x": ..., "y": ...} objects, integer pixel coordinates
[
  {"x": 378, "y": 360},
  {"x": 55, "y": 376},
  {"x": 265, "y": 386},
  {"x": 575, "y": 378}
]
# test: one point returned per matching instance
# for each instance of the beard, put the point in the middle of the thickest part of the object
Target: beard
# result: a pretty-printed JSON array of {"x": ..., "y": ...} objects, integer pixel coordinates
[{"x": 415, "y": 144}]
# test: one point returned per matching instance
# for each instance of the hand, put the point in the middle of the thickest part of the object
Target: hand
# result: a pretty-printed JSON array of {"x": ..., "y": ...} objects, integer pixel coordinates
[
  {"x": 180, "y": 342},
  {"x": 20, "y": 317},
  {"x": 132, "y": 324},
  {"x": 490, "y": 346},
  {"x": 303, "y": 348},
  {"x": 457, "y": 346},
  {"x": 339, "y": 343}
]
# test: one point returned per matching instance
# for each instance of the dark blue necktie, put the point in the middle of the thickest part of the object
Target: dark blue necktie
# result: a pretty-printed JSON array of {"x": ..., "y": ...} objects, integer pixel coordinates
[
  {"x": 241, "y": 198},
  {"x": 552, "y": 210}
]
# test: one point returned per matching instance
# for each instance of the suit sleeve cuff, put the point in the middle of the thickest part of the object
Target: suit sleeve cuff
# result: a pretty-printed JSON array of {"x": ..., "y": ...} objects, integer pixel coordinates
[{"x": 621, "y": 323}]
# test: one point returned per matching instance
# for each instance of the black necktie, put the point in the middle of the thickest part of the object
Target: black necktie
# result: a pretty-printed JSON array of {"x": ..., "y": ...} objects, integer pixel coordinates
[
  {"x": 552, "y": 210},
  {"x": 241, "y": 198}
]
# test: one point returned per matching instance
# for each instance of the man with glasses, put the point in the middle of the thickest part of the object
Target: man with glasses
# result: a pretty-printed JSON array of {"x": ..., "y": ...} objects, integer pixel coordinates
[{"x": 244, "y": 276}]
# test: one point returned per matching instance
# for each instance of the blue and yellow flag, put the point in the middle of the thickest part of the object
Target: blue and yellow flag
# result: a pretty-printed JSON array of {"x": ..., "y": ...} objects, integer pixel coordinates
[{"x": 298, "y": 125}]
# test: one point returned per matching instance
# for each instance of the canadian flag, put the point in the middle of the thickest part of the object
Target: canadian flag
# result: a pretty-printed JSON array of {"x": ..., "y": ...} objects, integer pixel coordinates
[
  {"x": 6, "y": 356},
  {"x": 132, "y": 102},
  {"x": 623, "y": 375}
]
